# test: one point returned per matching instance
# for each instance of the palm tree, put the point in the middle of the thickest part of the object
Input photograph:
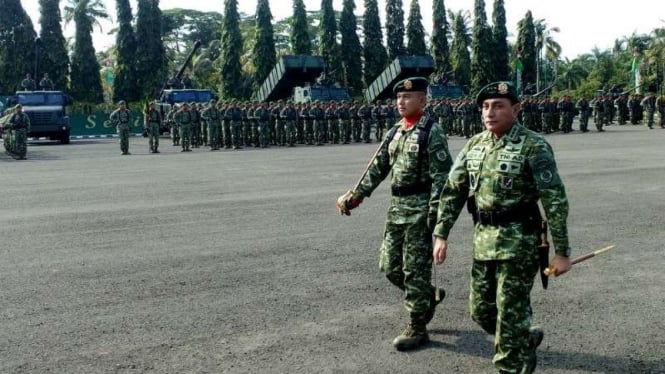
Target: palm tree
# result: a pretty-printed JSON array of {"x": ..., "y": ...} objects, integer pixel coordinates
[
  {"x": 572, "y": 73},
  {"x": 547, "y": 48},
  {"x": 93, "y": 10}
]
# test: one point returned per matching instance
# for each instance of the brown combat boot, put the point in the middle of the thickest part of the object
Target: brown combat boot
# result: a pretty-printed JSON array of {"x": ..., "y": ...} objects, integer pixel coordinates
[
  {"x": 433, "y": 302},
  {"x": 413, "y": 336}
]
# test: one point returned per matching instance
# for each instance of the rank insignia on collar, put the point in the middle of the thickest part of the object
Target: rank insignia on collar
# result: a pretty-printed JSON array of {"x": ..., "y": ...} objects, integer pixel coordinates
[
  {"x": 503, "y": 88},
  {"x": 408, "y": 84}
]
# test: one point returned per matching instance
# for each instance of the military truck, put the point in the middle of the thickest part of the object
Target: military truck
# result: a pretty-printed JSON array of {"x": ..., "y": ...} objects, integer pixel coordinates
[
  {"x": 47, "y": 111},
  {"x": 323, "y": 93},
  {"x": 170, "y": 96}
]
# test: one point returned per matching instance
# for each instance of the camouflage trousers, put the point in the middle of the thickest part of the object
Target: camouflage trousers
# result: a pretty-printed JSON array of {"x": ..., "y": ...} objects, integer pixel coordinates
[
  {"x": 123, "y": 133},
  {"x": 153, "y": 136},
  {"x": 290, "y": 132},
  {"x": 185, "y": 135},
  {"x": 584, "y": 121},
  {"x": 196, "y": 134},
  {"x": 333, "y": 131},
  {"x": 345, "y": 129},
  {"x": 500, "y": 303},
  {"x": 204, "y": 132},
  {"x": 319, "y": 130},
  {"x": 367, "y": 128},
  {"x": 406, "y": 259},
  {"x": 226, "y": 132},
  {"x": 175, "y": 134},
  {"x": 17, "y": 142},
  {"x": 236, "y": 134},
  {"x": 215, "y": 135},
  {"x": 264, "y": 133},
  {"x": 356, "y": 129},
  {"x": 309, "y": 131}
]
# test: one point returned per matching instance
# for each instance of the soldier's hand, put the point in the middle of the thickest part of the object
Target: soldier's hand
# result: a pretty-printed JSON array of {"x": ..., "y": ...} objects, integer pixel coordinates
[
  {"x": 347, "y": 202},
  {"x": 440, "y": 249},
  {"x": 560, "y": 265}
]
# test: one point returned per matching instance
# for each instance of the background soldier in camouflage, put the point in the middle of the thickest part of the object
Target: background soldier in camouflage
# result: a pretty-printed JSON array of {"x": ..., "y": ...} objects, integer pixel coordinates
[
  {"x": 415, "y": 155},
  {"x": 585, "y": 109},
  {"x": 621, "y": 107},
  {"x": 46, "y": 84},
  {"x": 356, "y": 124},
  {"x": 507, "y": 169},
  {"x": 234, "y": 114},
  {"x": 333, "y": 123},
  {"x": 153, "y": 122},
  {"x": 122, "y": 120},
  {"x": 173, "y": 125},
  {"x": 262, "y": 115},
  {"x": 204, "y": 126},
  {"x": 289, "y": 115},
  {"x": 195, "y": 127},
  {"x": 344, "y": 116},
  {"x": 634, "y": 109},
  {"x": 213, "y": 117},
  {"x": 365, "y": 114},
  {"x": 18, "y": 127},
  {"x": 379, "y": 121},
  {"x": 226, "y": 125},
  {"x": 649, "y": 106},
  {"x": 280, "y": 125},
  {"x": 184, "y": 120},
  {"x": 660, "y": 105},
  {"x": 28, "y": 84},
  {"x": 567, "y": 113},
  {"x": 308, "y": 124}
]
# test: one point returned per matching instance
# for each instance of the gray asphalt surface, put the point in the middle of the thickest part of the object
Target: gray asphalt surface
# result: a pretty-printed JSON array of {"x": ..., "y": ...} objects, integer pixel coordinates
[{"x": 236, "y": 262}]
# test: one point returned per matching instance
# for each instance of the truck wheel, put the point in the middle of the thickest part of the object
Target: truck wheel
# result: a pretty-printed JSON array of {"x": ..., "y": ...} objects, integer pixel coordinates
[{"x": 64, "y": 139}]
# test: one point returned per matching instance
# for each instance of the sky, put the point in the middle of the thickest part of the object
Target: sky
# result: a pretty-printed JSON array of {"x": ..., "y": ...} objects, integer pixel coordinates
[{"x": 583, "y": 24}]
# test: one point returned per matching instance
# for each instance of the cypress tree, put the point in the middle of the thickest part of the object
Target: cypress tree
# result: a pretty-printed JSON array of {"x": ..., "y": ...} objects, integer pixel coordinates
[
  {"x": 374, "y": 53},
  {"x": 54, "y": 59},
  {"x": 125, "y": 71},
  {"x": 301, "y": 42},
  {"x": 86, "y": 84},
  {"x": 500, "y": 37},
  {"x": 526, "y": 44},
  {"x": 351, "y": 49},
  {"x": 415, "y": 31},
  {"x": 440, "y": 48},
  {"x": 231, "y": 86},
  {"x": 263, "y": 55},
  {"x": 150, "y": 52},
  {"x": 482, "y": 70},
  {"x": 328, "y": 36},
  {"x": 460, "y": 58},
  {"x": 395, "y": 28},
  {"x": 17, "y": 46}
]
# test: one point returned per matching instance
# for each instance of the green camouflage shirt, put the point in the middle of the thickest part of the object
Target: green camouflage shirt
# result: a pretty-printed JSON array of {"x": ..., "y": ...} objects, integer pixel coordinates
[
  {"x": 400, "y": 156},
  {"x": 505, "y": 173},
  {"x": 121, "y": 118}
]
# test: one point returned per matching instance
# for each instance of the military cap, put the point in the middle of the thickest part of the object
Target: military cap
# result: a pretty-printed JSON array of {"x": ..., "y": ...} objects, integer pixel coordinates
[
  {"x": 497, "y": 90},
  {"x": 121, "y": 102},
  {"x": 413, "y": 84},
  {"x": 212, "y": 101}
]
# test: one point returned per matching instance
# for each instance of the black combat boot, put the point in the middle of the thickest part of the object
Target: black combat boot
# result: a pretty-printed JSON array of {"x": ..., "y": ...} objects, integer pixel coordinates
[
  {"x": 413, "y": 336},
  {"x": 536, "y": 333}
]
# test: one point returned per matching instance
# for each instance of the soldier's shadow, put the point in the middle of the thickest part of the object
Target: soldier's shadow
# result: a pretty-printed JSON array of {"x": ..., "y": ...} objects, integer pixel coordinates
[{"x": 477, "y": 343}]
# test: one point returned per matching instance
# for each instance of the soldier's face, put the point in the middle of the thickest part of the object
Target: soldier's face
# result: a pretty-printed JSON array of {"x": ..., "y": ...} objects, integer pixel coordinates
[
  {"x": 410, "y": 104},
  {"x": 499, "y": 115}
]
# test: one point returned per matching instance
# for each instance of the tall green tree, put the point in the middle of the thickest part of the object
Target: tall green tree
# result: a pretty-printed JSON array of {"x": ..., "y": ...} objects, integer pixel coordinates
[
  {"x": 374, "y": 53},
  {"x": 395, "y": 28},
  {"x": 547, "y": 49},
  {"x": 17, "y": 46},
  {"x": 440, "y": 48},
  {"x": 232, "y": 82},
  {"x": 526, "y": 47},
  {"x": 301, "y": 42},
  {"x": 500, "y": 38},
  {"x": 86, "y": 84},
  {"x": 150, "y": 51},
  {"x": 125, "y": 87},
  {"x": 263, "y": 55},
  {"x": 482, "y": 49},
  {"x": 53, "y": 57},
  {"x": 460, "y": 58},
  {"x": 415, "y": 32},
  {"x": 351, "y": 48},
  {"x": 329, "y": 48}
]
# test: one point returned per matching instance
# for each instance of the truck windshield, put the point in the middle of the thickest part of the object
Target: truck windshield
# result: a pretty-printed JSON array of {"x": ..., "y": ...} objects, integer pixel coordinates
[{"x": 41, "y": 99}]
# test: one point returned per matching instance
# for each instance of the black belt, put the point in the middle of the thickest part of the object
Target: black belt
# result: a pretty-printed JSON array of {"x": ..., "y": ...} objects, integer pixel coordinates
[{"x": 408, "y": 190}]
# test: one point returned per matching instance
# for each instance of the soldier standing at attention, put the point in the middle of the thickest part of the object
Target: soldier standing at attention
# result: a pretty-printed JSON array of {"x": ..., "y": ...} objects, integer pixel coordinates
[
  {"x": 318, "y": 117},
  {"x": 585, "y": 109},
  {"x": 46, "y": 84},
  {"x": 415, "y": 155},
  {"x": 19, "y": 126},
  {"x": 213, "y": 119},
  {"x": 170, "y": 119},
  {"x": 333, "y": 123},
  {"x": 501, "y": 174},
  {"x": 28, "y": 84},
  {"x": 289, "y": 116},
  {"x": 184, "y": 120},
  {"x": 153, "y": 121},
  {"x": 649, "y": 105},
  {"x": 365, "y": 114},
  {"x": 344, "y": 116},
  {"x": 378, "y": 121},
  {"x": 122, "y": 119}
]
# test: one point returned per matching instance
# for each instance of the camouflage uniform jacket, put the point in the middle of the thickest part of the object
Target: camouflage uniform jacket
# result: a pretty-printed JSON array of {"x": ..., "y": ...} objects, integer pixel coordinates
[
  {"x": 503, "y": 174},
  {"x": 211, "y": 115},
  {"x": 402, "y": 158},
  {"x": 121, "y": 119}
]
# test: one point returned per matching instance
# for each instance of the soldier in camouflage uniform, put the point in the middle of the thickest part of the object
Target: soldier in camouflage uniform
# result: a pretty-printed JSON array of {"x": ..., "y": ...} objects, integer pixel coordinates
[
  {"x": 184, "y": 118},
  {"x": 234, "y": 114},
  {"x": 213, "y": 117},
  {"x": 333, "y": 123},
  {"x": 566, "y": 112},
  {"x": 308, "y": 124},
  {"x": 289, "y": 115},
  {"x": 507, "y": 169},
  {"x": 380, "y": 125},
  {"x": 344, "y": 116},
  {"x": 18, "y": 128},
  {"x": 415, "y": 155},
  {"x": 621, "y": 107},
  {"x": 152, "y": 123},
  {"x": 633, "y": 109},
  {"x": 173, "y": 126},
  {"x": 205, "y": 141},
  {"x": 262, "y": 115},
  {"x": 649, "y": 105},
  {"x": 318, "y": 117},
  {"x": 356, "y": 124},
  {"x": 122, "y": 120},
  {"x": 365, "y": 114},
  {"x": 388, "y": 114},
  {"x": 196, "y": 125},
  {"x": 660, "y": 106},
  {"x": 585, "y": 110}
]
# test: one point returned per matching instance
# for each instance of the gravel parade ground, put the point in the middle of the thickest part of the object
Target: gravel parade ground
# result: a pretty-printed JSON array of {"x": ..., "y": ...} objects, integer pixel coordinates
[{"x": 237, "y": 262}]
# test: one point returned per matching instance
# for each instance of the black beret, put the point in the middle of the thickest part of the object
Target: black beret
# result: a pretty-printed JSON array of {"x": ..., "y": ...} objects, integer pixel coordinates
[
  {"x": 497, "y": 90},
  {"x": 414, "y": 84}
]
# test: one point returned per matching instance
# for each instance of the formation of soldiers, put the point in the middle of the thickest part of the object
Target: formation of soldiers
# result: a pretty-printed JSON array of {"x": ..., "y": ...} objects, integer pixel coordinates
[{"x": 235, "y": 124}]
